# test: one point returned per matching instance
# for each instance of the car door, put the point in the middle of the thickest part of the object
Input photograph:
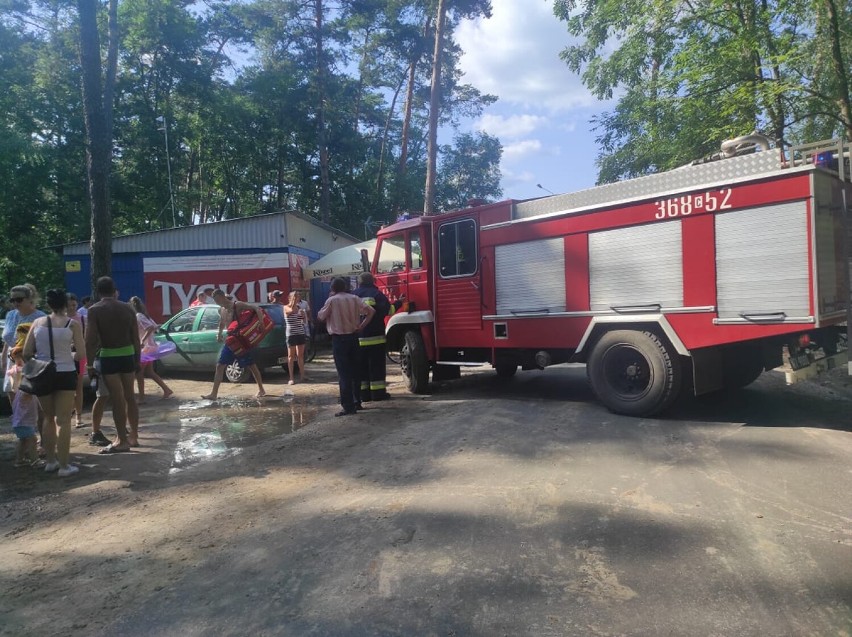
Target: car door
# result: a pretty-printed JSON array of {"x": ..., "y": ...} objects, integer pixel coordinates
[
  {"x": 204, "y": 346},
  {"x": 179, "y": 330}
]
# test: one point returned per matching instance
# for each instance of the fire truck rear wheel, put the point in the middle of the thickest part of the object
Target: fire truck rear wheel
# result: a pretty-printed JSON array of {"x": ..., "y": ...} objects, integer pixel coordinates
[
  {"x": 633, "y": 373},
  {"x": 413, "y": 363},
  {"x": 235, "y": 373}
]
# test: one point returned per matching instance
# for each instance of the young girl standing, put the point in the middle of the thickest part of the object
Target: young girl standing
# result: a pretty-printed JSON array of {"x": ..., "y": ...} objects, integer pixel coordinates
[{"x": 295, "y": 318}]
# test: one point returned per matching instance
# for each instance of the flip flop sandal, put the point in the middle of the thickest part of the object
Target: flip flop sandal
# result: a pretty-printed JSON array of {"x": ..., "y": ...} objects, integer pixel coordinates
[{"x": 113, "y": 449}]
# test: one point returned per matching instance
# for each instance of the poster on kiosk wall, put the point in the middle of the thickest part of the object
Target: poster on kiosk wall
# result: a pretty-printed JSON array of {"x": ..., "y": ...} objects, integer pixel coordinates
[{"x": 171, "y": 283}]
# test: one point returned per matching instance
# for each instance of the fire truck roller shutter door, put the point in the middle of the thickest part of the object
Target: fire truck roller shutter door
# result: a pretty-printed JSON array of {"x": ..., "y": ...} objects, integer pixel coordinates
[
  {"x": 636, "y": 266},
  {"x": 762, "y": 262}
]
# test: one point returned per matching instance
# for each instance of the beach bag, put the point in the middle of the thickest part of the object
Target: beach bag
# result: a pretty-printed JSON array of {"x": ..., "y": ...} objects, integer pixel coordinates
[{"x": 38, "y": 377}]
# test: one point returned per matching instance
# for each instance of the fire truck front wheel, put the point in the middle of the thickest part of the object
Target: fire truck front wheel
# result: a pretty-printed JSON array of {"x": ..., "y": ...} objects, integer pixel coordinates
[
  {"x": 633, "y": 373},
  {"x": 414, "y": 364}
]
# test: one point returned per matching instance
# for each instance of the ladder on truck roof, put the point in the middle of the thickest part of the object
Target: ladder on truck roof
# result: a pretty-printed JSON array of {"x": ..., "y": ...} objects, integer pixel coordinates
[{"x": 830, "y": 154}]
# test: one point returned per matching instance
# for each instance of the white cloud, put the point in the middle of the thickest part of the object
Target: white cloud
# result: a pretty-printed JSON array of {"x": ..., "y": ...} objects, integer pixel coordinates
[
  {"x": 511, "y": 127},
  {"x": 517, "y": 150},
  {"x": 542, "y": 113},
  {"x": 515, "y": 55},
  {"x": 513, "y": 178}
]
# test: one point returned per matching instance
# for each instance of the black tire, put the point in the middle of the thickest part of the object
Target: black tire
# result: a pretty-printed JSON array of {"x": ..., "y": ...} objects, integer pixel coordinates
[
  {"x": 413, "y": 363},
  {"x": 506, "y": 370},
  {"x": 633, "y": 373},
  {"x": 310, "y": 350},
  {"x": 235, "y": 373}
]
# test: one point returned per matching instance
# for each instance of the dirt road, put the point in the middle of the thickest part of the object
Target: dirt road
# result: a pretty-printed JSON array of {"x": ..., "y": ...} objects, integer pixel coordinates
[{"x": 487, "y": 508}]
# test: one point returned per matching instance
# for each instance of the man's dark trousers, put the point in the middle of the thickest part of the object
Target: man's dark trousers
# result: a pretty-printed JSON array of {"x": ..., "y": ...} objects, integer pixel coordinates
[{"x": 344, "y": 348}]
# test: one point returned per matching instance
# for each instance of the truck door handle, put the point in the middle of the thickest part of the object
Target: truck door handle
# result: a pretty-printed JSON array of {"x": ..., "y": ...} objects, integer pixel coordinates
[
  {"x": 635, "y": 309},
  {"x": 764, "y": 316}
]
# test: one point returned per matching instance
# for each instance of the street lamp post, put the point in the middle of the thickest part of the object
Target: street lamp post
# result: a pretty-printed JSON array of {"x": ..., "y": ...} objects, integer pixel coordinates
[{"x": 165, "y": 129}]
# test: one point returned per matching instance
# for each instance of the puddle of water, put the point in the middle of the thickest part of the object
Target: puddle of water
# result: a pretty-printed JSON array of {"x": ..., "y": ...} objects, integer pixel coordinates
[
  {"x": 193, "y": 432},
  {"x": 214, "y": 430}
]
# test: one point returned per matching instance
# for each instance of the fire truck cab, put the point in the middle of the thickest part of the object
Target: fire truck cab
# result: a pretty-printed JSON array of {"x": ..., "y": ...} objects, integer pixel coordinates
[{"x": 697, "y": 279}]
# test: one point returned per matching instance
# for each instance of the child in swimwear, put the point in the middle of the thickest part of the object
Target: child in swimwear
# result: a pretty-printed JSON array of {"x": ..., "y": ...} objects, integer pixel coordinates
[{"x": 24, "y": 416}]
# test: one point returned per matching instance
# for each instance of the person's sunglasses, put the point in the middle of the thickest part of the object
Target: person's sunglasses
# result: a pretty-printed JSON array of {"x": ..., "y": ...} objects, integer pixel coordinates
[{"x": 17, "y": 299}]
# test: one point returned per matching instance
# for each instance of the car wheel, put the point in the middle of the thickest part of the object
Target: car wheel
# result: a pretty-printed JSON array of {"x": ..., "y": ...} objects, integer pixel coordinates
[{"x": 235, "y": 373}]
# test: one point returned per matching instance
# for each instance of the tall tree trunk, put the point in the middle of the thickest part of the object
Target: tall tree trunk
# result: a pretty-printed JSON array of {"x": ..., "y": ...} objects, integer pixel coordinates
[
  {"x": 98, "y": 143},
  {"x": 402, "y": 166},
  {"x": 380, "y": 178},
  {"x": 111, "y": 70},
  {"x": 322, "y": 133},
  {"x": 840, "y": 69},
  {"x": 434, "y": 112}
]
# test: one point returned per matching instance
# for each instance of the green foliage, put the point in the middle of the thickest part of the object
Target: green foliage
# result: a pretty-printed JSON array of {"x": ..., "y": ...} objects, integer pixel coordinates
[
  {"x": 237, "y": 88},
  {"x": 688, "y": 76},
  {"x": 470, "y": 169}
]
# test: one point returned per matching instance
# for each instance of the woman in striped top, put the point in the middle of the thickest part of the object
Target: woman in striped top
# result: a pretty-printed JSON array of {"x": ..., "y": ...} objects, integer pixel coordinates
[{"x": 295, "y": 318}]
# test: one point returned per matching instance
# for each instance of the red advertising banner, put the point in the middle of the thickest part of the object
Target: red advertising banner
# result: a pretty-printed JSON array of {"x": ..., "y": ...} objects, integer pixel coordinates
[{"x": 171, "y": 283}]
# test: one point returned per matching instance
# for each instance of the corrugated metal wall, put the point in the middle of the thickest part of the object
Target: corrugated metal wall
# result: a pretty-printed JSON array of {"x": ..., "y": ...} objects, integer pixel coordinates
[
  {"x": 304, "y": 233},
  {"x": 276, "y": 230}
]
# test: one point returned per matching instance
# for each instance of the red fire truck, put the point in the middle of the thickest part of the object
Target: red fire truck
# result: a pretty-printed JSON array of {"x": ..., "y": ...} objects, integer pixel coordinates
[{"x": 696, "y": 279}]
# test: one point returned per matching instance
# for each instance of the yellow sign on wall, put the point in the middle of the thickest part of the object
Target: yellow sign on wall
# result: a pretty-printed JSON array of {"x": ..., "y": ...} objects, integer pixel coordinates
[{"x": 72, "y": 266}]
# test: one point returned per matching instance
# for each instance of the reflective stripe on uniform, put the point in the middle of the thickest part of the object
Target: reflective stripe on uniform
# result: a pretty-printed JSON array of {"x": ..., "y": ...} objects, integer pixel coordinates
[
  {"x": 377, "y": 385},
  {"x": 365, "y": 341},
  {"x": 369, "y": 300}
]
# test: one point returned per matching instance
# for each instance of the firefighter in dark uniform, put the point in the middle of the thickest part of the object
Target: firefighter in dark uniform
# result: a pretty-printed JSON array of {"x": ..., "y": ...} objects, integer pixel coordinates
[{"x": 372, "y": 341}]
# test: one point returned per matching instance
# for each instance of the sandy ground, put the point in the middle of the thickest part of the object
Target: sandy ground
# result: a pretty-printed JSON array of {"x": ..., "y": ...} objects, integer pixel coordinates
[
  {"x": 72, "y": 548},
  {"x": 112, "y": 551}
]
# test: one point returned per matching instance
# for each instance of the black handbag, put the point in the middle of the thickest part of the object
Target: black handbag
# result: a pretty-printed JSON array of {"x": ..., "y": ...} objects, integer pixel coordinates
[{"x": 38, "y": 377}]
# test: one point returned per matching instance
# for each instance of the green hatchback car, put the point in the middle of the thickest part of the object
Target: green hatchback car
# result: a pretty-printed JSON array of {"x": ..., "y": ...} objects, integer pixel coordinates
[{"x": 193, "y": 331}]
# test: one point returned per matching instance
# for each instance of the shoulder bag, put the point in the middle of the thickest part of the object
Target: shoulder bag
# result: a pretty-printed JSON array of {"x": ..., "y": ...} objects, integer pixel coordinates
[{"x": 37, "y": 377}]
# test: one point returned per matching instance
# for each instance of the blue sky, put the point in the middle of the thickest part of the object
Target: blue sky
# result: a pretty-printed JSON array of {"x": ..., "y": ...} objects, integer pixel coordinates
[{"x": 543, "y": 112}]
